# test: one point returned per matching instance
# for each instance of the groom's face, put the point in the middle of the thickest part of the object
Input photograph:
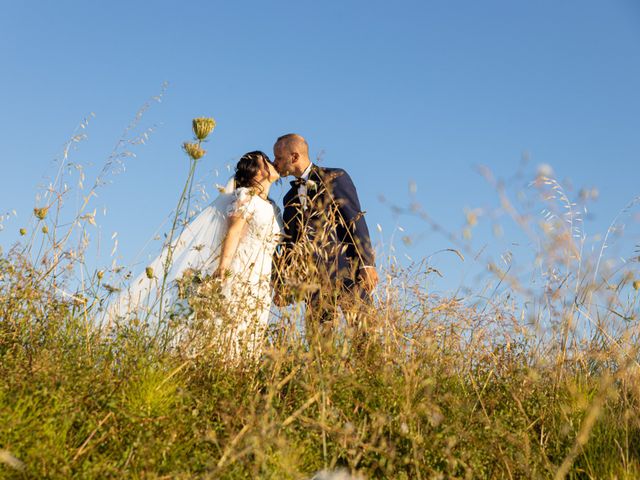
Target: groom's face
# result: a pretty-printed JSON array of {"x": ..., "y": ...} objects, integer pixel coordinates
[{"x": 284, "y": 159}]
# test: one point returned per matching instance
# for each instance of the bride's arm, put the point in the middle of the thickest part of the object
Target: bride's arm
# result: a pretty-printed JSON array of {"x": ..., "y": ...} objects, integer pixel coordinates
[{"x": 230, "y": 244}]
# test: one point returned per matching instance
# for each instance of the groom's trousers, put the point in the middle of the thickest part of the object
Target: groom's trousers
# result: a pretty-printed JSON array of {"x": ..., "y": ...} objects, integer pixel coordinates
[{"x": 325, "y": 305}]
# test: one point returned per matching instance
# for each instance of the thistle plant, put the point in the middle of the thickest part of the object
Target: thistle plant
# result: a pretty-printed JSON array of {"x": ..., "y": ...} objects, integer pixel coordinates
[{"x": 202, "y": 128}]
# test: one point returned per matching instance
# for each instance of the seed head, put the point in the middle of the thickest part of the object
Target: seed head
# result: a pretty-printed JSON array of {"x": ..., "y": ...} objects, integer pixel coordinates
[
  {"x": 41, "y": 213},
  {"x": 545, "y": 170},
  {"x": 23, "y": 231},
  {"x": 45, "y": 229},
  {"x": 472, "y": 218},
  {"x": 203, "y": 126},
  {"x": 149, "y": 272},
  {"x": 79, "y": 300},
  {"x": 100, "y": 274},
  {"x": 636, "y": 285},
  {"x": 7, "y": 458},
  {"x": 194, "y": 150}
]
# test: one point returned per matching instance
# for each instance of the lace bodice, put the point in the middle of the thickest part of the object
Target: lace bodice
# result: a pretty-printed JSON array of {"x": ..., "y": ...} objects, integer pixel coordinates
[{"x": 262, "y": 234}]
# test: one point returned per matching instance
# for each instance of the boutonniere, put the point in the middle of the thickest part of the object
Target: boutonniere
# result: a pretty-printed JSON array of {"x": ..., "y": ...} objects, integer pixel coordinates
[{"x": 311, "y": 186}]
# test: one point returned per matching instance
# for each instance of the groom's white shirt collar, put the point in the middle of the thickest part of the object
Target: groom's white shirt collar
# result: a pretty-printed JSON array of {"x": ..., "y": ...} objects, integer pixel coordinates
[{"x": 307, "y": 172}]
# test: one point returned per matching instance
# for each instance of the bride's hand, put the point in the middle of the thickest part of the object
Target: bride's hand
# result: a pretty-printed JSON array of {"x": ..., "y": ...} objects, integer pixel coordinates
[{"x": 221, "y": 273}]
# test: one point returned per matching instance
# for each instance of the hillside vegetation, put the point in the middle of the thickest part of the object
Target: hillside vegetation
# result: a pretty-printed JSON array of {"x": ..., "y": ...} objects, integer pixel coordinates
[{"x": 530, "y": 383}]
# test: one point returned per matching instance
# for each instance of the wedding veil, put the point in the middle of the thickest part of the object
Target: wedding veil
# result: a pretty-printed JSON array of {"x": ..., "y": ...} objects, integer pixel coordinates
[{"x": 197, "y": 247}]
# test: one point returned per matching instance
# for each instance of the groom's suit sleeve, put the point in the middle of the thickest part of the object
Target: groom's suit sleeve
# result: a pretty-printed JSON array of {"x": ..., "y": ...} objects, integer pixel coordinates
[{"x": 345, "y": 195}]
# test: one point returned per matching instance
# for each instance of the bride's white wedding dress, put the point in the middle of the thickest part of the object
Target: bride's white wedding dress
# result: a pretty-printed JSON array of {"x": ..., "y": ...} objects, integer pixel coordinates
[{"x": 246, "y": 291}]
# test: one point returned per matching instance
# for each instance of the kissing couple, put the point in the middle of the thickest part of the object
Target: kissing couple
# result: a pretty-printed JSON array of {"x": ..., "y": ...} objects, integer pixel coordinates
[{"x": 318, "y": 251}]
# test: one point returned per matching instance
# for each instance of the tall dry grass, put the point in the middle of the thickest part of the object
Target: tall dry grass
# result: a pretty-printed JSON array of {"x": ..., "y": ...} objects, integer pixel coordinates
[{"x": 540, "y": 380}]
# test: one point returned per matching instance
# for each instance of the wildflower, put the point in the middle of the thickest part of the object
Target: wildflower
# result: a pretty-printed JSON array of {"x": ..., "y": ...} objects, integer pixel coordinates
[
  {"x": 203, "y": 126},
  {"x": 149, "y": 272},
  {"x": 100, "y": 274},
  {"x": 41, "y": 213},
  {"x": 194, "y": 150},
  {"x": 23, "y": 231},
  {"x": 636, "y": 285},
  {"x": 341, "y": 474}
]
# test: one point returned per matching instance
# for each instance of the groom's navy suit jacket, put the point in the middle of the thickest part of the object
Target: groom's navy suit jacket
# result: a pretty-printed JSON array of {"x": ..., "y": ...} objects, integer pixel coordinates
[{"x": 332, "y": 219}]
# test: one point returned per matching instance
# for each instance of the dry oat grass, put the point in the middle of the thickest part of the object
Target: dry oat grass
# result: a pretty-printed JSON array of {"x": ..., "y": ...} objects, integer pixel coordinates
[{"x": 530, "y": 383}]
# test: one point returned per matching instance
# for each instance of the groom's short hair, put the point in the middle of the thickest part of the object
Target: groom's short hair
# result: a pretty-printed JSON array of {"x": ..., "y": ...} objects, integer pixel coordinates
[{"x": 291, "y": 139}]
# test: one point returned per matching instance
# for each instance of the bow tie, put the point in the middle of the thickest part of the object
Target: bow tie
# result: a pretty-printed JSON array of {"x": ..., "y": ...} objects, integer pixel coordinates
[{"x": 298, "y": 181}]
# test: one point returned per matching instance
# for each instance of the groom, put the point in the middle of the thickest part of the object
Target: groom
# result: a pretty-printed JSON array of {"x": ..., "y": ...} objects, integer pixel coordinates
[{"x": 327, "y": 242}]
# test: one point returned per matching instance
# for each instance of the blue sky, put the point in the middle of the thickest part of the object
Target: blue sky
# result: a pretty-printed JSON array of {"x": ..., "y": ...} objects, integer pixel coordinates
[{"x": 421, "y": 91}]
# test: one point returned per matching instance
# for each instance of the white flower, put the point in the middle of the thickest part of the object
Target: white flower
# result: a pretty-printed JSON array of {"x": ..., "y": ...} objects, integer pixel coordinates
[
  {"x": 341, "y": 474},
  {"x": 311, "y": 185}
]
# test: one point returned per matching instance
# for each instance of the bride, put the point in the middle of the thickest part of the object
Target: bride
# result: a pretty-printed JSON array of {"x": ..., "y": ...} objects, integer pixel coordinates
[{"x": 231, "y": 242}]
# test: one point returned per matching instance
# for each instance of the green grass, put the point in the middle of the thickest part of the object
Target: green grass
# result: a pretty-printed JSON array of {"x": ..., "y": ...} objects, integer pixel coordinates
[{"x": 428, "y": 402}]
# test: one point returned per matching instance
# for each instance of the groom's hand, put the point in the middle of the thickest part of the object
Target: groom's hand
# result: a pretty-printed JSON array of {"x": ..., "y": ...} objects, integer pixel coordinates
[
  {"x": 280, "y": 300},
  {"x": 368, "y": 278}
]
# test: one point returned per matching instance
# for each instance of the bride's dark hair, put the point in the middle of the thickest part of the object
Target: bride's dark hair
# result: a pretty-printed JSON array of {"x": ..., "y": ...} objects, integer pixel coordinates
[{"x": 248, "y": 167}]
